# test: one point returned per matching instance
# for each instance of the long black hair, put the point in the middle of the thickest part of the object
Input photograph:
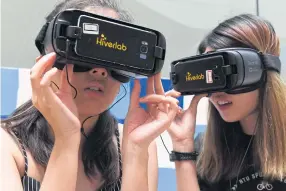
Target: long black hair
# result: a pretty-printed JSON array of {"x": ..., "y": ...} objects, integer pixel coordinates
[{"x": 99, "y": 151}]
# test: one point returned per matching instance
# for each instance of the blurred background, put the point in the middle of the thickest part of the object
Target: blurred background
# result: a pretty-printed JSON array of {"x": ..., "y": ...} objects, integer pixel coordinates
[{"x": 183, "y": 22}]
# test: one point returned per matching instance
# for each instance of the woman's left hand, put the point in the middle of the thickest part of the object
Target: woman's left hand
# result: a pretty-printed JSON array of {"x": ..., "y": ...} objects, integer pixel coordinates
[{"x": 143, "y": 126}]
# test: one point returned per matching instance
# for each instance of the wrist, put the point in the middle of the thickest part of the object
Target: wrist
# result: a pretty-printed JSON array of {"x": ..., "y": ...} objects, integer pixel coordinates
[
  {"x": 133, "y": 152},
  {"x": 136, "y": 150},
  {"x": 183, "y": 146},
  {"x": 72, "y": 141}
]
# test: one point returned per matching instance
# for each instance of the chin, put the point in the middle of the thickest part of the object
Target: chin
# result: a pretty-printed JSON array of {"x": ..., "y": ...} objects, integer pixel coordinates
[
  {"x": 91, "y": 109},
  {"x": 230, "y": 118}
]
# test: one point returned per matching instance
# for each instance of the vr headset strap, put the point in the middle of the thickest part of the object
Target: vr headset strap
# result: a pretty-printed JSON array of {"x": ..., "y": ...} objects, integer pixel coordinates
[
  {"x": 271, "y": 62},
  {"x": 40, "y": 38}
]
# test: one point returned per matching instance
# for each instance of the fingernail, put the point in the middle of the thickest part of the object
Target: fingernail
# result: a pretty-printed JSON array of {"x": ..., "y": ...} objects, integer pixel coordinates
[
  {"x": 48, "y": 56},
  {"x": 51, "y": 54}
]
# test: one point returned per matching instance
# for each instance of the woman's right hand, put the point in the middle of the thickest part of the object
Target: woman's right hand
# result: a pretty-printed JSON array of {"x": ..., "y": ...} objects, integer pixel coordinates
[
  {"x": 58, "y": 108},
  {"x": 182, "y": 129}
]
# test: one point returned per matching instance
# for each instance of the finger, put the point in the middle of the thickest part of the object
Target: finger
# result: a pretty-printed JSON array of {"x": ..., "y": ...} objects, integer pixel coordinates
[
  {"x": 168, "y": 104},
  {"x": 150, "y": 85},
  {"x": 39, "y": 97},
  {"x": 153, "y": 98},
  {"x": 173, "y": 107},
  {"x": 38, "y": 58},
  {"x": 66, "y": 78},
  {"x": 135, "y": 95},
  {"x": 153, "y": 109},
  {"x": 36, "y": 73},
  {"x": 173, "y": 93},
  {"x": 194, "y": 103},
  {"x": 158, "y": 84},
  {"x": 150, "y": 90},
  {"x": 40, "y": 67},
  {"x": 157, "y": 127},
  {"x": 50, "y": 101},
  {"x": 50, "y": 98},
  {"x": 162, "y": 101},
  {"x": 47, "y": 78},
  {"x": 43, "y": 63},
  {"x": 180, "y": 110},
  {"x": 47, "y": 92}
]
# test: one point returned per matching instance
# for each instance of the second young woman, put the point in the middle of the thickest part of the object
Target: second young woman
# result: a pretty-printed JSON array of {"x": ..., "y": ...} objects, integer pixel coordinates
[{"x": 244, "y": 146}]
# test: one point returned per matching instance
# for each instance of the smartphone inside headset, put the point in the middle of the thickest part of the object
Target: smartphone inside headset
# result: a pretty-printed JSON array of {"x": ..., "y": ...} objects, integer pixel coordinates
[
  {"x": 232, "y": 70},
  {"x": 89, "y": 40}
]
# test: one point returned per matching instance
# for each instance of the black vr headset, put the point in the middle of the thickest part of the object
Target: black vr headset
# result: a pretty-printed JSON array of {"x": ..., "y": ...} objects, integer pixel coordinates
[
  {"x": 88, "y": 40},
  {"x": 232, "y": 70}
]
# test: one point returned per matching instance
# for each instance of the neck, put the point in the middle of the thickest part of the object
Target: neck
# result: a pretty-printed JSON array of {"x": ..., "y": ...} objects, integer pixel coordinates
[
  {"x": 88, "y": 123},
  {"x": 248, "y": 124},
  {"x": 87, "y": 127}
]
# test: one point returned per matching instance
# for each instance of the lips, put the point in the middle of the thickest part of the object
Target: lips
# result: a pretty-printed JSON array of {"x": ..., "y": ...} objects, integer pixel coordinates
[
  {"x": 223, "y": 105},
  {"x": 223, "y": 102},
  {"x": 94, "y": 89},
  {"x": 95, "y": 86}
]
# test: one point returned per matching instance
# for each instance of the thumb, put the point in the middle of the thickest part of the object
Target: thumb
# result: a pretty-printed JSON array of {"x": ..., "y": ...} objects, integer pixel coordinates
[
  {"x": 38, "y": 58},
  {"x": 134, "y": 100},
  {"x": 194, "y": 103}
]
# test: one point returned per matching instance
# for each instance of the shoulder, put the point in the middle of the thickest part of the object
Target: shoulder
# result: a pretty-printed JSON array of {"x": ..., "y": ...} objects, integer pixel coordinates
[
  {"x": 8, "y": 142},
  {"x": 10, "y": 146}
]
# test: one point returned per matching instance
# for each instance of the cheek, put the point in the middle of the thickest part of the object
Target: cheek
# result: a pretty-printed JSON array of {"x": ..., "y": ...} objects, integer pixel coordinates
[
  {"x": 77, "y": 79},
  {"x": 250, "y": 98},
  {"x": 244, "y": 105},
  {"x": 248, "y": 101},
  {"x": 113, "y": 88}
]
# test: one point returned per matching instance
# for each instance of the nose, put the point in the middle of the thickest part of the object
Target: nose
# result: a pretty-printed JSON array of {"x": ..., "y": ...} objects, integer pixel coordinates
[{"x": 99, "y": 72}]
